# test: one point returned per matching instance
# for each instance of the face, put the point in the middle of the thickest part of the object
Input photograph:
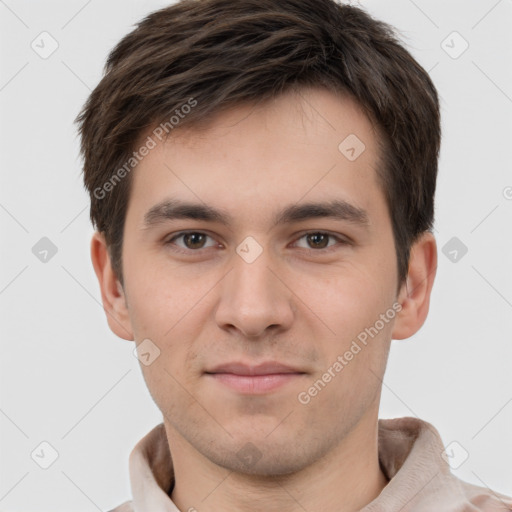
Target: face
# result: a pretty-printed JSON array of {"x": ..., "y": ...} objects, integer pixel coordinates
[{"x": 257, "y": 300}]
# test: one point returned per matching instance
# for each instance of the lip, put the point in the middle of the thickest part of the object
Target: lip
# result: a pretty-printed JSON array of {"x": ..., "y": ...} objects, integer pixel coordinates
[
  {"x": 254, "y": 379},
  {"x": 265, "y": 368}
]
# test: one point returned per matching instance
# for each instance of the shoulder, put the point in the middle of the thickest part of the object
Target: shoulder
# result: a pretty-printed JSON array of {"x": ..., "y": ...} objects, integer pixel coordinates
[
  {"x": 486, "y": 500},
  {"x": 127, "y": 506},
  {"x": 460, "y": 496}
]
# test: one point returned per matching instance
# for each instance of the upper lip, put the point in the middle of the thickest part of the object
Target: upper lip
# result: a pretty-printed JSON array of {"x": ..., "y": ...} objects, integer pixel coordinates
[{"x": 265, "y": 368}]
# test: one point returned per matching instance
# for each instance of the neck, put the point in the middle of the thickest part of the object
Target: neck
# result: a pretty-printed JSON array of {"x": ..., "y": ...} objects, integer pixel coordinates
[{"x": 346, "y": 479}]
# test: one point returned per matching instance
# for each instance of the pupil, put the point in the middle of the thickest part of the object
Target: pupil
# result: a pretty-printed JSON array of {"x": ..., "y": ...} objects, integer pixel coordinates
[
  {"x": 194, "y": 240},
  {"x": 318, "y": 240}
]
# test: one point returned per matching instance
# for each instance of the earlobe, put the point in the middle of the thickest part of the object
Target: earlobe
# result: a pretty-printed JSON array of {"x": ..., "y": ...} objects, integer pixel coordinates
[
  {"x": 415, "y": 293},
  {"x": 112, "y": 293}
]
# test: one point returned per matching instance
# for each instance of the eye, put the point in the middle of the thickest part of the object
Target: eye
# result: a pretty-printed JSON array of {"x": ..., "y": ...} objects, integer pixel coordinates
[
  {"x": 191, "y": 240},
  {"x": 194, "y": 241},
  {"x": 318, "y": 240}
]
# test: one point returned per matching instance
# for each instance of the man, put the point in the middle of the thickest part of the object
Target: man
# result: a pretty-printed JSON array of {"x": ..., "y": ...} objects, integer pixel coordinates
[{"x": 262, "y": 179}]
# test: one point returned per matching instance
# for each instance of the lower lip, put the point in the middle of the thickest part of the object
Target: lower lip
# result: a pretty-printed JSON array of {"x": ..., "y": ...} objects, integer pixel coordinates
[{"x": 254, "y": 384}]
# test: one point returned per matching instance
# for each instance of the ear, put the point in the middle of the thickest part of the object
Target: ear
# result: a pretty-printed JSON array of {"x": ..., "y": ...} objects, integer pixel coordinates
[
  {"x": 112, "y": 293},
  {"x": 414, "y": 295}
]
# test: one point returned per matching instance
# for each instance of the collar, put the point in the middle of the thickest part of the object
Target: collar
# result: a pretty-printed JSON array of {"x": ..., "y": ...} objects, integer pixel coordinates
[{"x": 410, "y": 454}]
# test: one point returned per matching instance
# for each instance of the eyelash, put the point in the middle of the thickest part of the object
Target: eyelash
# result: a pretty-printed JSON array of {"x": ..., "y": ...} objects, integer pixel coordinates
[{"x": 328, "y": 249}]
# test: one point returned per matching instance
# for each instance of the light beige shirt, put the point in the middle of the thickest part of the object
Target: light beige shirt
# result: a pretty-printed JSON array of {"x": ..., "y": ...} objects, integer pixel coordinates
[{"x": 410, "y": 454}]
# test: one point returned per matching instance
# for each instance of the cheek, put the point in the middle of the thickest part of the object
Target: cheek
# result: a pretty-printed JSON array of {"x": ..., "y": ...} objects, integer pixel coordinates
[
  {"x": 161, "y": 296},
  {"x": 352, "y": 305},
  {"x": 168, "y": 388},
  {"x": 170, "y": 320},
  {"x": 348, "y": 300},
  {"x": 175, "y": 328}
]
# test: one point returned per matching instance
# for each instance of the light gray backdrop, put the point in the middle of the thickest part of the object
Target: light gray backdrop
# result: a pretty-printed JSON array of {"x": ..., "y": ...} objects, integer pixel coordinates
[{"x": 68, "y": 381}]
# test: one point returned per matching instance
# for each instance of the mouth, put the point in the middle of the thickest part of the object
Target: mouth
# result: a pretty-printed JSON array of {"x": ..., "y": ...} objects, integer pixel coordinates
[{"x": 254, "y": 379}]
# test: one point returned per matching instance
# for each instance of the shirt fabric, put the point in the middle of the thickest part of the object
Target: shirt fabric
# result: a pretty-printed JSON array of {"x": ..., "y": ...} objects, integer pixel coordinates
[{"x": 410, "y": 455}]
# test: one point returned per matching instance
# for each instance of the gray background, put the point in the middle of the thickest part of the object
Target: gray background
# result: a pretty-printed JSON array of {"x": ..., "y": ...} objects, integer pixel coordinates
[{"x": 67, "y": 380}]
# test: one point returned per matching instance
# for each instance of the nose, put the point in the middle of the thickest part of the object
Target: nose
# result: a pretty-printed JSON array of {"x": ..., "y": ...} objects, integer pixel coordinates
[{"x": 254, "y": 300}]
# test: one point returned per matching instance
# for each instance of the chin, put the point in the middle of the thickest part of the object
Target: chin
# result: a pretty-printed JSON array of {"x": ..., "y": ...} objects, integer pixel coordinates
[
  {"x": 266, "y": 462},
  {"x": 269, "y": 455}
]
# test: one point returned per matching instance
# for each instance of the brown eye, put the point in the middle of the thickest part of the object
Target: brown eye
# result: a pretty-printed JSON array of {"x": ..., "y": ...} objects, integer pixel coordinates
[
  {"x": 191, "y": 241},
  {"x": 194, "y": 240},
  {"x": 318, "y": 240}
]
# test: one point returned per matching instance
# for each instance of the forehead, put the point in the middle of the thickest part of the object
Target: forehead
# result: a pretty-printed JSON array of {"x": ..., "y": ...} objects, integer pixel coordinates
[{"x": 306, "y": 145}]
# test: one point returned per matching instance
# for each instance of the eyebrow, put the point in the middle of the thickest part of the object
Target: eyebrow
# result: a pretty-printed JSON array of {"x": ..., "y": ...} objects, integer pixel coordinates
[{"x": 172, "y": 209}]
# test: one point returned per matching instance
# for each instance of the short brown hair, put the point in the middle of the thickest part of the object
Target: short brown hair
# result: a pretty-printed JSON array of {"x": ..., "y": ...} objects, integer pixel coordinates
[{"x": 220, "y": 53}]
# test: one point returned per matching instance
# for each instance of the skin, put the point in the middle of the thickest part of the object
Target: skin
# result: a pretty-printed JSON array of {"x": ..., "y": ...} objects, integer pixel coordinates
[{"x": 297, "y": 303}]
